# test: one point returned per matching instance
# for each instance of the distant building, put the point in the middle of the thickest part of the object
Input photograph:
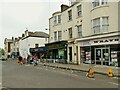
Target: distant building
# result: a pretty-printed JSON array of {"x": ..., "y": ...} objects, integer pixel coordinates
[
  {"x": 15, "y": 47},
  {"x": 7, "y": 47},
  {"x": 30, "y": 41}
]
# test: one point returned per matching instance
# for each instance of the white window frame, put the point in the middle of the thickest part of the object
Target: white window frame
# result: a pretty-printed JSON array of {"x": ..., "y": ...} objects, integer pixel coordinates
[
  {"x": 69, "y": 15},
  {"x": 59, "y": 18},
  {"x": 100, "y": 25},
  {"x": 70, "y": 32},
  {"x": 79, "y": 30},
  {"x": 99, "y": 2},
  {"x": 79, "y": 10},
  {"x": 55, "y": 36},
  {"x": 59, "y": 35}
]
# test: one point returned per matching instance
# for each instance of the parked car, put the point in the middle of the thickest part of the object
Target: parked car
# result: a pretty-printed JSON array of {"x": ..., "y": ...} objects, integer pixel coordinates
[{"x": 3, "y": 58}]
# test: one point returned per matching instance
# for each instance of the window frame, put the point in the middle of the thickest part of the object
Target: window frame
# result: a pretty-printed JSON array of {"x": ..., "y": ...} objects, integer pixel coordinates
[
  {"x": 59, "y": 35},
  {"x": 70, "y": 15},
  {"x": 79, "y": 31},
  {"x": 55, "y": 36},
  {"x": 79, "y": 10},
  {"x": 70, "y": 32},
  {"x": 100, "y": 25}
]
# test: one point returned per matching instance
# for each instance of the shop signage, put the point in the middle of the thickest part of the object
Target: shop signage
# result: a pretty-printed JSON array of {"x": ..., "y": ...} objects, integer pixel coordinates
[{"x": 107, "y": 40}]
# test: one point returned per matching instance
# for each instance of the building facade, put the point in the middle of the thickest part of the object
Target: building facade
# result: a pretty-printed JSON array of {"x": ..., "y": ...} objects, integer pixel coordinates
[
  {"x": 15, "y": 47},
  {"x": 32, "y": 40},
  {"x": 91, "y": 30},
  {"x": 8, "y": 47}
]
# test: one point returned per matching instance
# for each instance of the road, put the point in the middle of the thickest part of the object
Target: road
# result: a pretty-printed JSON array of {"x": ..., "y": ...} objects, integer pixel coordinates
[{"x": 29, "y": 76}]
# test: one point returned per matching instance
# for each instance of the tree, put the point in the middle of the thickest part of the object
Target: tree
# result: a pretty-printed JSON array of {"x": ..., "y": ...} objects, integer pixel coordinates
[{"x": 2, "y": 52}]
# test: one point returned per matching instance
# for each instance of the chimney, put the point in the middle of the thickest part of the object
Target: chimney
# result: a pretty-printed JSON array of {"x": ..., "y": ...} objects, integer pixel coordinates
[{"x": 64, "y": 7}]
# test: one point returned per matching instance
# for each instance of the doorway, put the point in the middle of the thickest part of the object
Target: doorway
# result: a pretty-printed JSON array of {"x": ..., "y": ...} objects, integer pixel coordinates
[
  {"x": 102, "y": 56},
  {"x": 70, "y": 54}
]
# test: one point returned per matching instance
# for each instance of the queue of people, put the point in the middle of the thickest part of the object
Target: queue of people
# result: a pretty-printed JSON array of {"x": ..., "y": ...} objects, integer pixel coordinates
[{"x": 31, "y": 59}]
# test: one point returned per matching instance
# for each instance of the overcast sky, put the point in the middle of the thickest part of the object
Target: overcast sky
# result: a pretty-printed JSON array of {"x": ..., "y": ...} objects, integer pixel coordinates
[{"x": 17, "y": 15}]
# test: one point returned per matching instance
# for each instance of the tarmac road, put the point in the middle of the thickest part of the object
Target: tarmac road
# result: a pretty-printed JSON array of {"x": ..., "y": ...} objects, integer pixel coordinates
[{"x": 29, "y": 76}]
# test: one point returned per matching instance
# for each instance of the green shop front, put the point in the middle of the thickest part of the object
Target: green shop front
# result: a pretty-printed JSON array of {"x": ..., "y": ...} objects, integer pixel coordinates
[{"x": 57, "y": 51}]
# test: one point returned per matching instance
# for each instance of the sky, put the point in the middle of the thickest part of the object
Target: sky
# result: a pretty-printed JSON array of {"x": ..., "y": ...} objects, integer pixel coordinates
[{"x": 17, "y": 15}]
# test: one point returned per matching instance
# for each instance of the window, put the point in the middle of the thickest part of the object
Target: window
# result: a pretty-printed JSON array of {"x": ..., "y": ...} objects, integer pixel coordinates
[
  {"x": 96, "y": 25},
  {"x": 79, "y": 10},
  {"x": 96, "y": 3},
  {"x": 79, "y": 29},
  {"x": 104, "y": 24},
  {"x": 100, "y": 25},
  {"x": 55, "y": 19},
  {"x": 46, "y": 39},
  {"x": 99, "y": 2},
  {"x": 59, "y": 35},
  {"x": 70, "y": 15},
  {"x": 70, "y": 32},
  {"x": 103, "y": 2},
  {"x": 59, "y": 18},
  {"x": 55, "y": 36},
  {"x": 36, "y": 45}
]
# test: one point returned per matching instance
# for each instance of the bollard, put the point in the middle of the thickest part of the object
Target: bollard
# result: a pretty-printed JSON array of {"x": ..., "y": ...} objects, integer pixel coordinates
[
  {"x": 90, "y": 73},
  {"x": 110, "y": 74}
]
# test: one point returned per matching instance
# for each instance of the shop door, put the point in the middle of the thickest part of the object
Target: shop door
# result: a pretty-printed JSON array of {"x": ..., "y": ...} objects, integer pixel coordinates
[
  {"x": 70, "y": 54},
  {"x": 102, "y": 56}
]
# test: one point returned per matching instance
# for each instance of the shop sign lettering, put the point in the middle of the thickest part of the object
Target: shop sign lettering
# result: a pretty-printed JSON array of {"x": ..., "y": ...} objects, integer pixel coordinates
[{"x": 107, "y": 40}]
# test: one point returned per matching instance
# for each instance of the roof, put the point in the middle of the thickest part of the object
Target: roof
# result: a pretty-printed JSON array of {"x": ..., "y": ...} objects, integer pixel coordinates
[
  {"x": 38, "y": 34},
  {"x": 8, "y": 40}
]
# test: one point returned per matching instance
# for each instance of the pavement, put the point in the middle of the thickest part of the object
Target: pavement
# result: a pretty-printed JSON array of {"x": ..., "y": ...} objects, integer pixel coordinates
[{"x": 98, "y": 69}]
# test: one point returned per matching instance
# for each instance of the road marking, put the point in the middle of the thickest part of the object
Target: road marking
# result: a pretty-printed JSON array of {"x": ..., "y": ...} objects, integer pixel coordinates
[
  {"x": 0, "y": 83},
  {"x": 114, "y": 83},
  {"x": 91, "y": 78},
  {"x": 115, "y": 78}
]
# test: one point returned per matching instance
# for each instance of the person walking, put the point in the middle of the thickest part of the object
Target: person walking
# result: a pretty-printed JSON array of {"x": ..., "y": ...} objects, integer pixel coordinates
[
  {"x": 20, "y": 60},
  {"x": 35, "y": 60}
]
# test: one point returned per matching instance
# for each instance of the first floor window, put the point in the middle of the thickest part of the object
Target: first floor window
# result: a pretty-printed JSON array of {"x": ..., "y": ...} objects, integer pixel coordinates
[
  {"x": 55, "y": 36},
  {"x": 100, "y": 25},
  {"x": 79, "y": 29},
  {"x": 70, "y": 32},
  {"x": 59, "y": 35}
]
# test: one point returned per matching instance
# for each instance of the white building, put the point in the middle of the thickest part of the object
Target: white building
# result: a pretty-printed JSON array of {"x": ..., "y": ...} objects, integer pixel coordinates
[
  {"x": 91, "y": 29},
  {"x": 31, "y": 40},
  {"x": 15, "y": 47}
]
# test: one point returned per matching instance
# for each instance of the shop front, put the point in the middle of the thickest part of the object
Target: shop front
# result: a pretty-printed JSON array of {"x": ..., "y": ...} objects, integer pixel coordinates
[
  {"x": 57, "y": 51},
  {"x": 40, "y": 51},
  {"x": 102, "y": 51}
]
